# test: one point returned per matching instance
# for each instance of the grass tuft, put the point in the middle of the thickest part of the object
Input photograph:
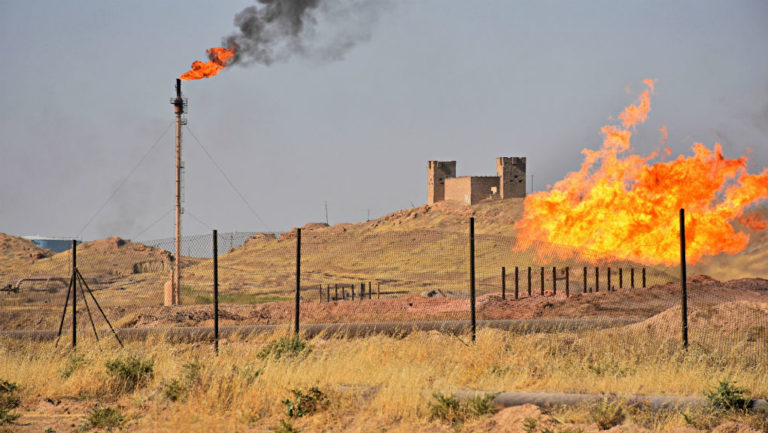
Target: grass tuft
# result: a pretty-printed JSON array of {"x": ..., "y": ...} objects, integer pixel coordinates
[
  {"x": 130, "y": 373},
  {"x": 104, "y": 418},
  {"x": 305, "y": 403},
  {"x": 607, "y": 413},
  {"x": 285, "y": 347},
  {"x": 8, "y": 401},
  {"x": 727, "y": 396}
]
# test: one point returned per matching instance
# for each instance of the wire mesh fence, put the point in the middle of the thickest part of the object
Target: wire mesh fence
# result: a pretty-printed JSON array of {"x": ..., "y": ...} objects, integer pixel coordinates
[{"x": 396, "y": 277}]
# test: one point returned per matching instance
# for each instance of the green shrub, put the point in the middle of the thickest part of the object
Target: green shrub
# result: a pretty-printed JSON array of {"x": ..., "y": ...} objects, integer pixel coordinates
[
  {"x": 727, "y": 396},
  {"x": 447, "y": 408},
  {"x": 104, "y": 418},
  {"x": 607, "y": 413},
  {"x": 130, "y": 373},
  {"x": 450, "y": 409},
  {"x": 285, "y": 347},
  {"x": 74, "y": 362},
  {"x": 178, "y": 388},
  {"x": 8, "y": 401},
  {"x": 305, "y": 403},
  {"x": 286, "y": 427}
]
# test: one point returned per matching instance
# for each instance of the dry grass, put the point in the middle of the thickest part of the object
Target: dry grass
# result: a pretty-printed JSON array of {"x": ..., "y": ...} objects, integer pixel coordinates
[{"x": 372, "y": 382}]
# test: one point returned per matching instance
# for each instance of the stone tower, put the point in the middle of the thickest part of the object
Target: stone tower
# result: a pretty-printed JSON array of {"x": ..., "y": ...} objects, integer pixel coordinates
[
  {"x": 437, "y": 172},
  {"x": 511, "y": 172}
]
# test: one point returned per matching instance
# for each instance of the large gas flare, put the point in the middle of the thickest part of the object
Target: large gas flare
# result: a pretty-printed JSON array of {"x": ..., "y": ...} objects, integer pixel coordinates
[
  {"x": 218, "y": 60},
  {"x": 622, "y": 206}
]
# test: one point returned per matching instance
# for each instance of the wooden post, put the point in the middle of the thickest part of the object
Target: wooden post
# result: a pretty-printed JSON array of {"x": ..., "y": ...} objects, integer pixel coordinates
[
  {"x": 621, "y": 278},
  {"x": 554, "y": 281},
  {"x": 362, "y": 291},
  {"x": 370, "y": 291},
  {"x": 585, "y": 279},
  {"x": 609, "y": 278},
  {"x": 529, "y": 281},
  {"x": 643, "y": 277},
  {"x": 567, "y": 281},
  {"x": 517, "y": 283},
  {"x": 542, "y": 281},
  {"x": 352, "y": 289},
  {"x": 632, "y": 278},
  {"x": 328, "y": 293},
  {"x": 503, "y": 283},
  {"x": 597, "y": 279},
  {"x": 336, "y": 292}
]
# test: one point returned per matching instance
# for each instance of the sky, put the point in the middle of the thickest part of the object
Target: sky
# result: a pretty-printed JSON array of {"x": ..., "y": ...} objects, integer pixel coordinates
[{"x": 87, "y": 142}]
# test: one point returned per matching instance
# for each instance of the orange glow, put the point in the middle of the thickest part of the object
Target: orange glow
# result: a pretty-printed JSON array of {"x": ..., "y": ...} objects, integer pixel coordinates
[
  {"x": 753, "y": 221},
  {"x": 664, "y": 136},
  {"x": 219, "y": 58},
  {"x": 619, "y": 205}
]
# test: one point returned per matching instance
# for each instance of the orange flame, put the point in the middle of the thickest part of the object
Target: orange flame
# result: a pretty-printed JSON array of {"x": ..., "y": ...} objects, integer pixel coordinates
[
  {"x": 753, "y": 221},
  {"x": 620, "y": 206},
  {"x": 219, "y": 58}
]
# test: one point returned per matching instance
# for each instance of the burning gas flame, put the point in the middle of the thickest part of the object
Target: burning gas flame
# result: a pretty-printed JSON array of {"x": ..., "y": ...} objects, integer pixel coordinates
[
  {"x": 619, "y": 205},
  {"x": 218, "y": 60}
]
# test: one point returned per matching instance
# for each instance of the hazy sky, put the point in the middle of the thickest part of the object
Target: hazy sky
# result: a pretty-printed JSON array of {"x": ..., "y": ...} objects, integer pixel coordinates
[{"x": 86, "y": 85}]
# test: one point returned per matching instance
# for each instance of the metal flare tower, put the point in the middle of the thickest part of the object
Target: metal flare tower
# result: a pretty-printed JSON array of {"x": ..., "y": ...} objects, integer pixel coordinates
[{"x": 179, "y": 107}]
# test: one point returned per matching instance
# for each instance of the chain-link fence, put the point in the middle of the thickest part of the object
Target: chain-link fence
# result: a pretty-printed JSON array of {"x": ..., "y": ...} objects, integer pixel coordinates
[{"x": 349, "y": 275}]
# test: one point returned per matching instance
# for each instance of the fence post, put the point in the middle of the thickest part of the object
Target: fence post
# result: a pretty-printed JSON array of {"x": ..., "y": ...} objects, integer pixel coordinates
[
  {"x": 298, "y": 282},
  {"x": 216, "y": 291},
  {"x": 503, "y": 283},
  {"x": 643, "y": 277},
  {"x": 567, "y": 281},
  {"x": 585, "y": 280},
  {"x": 554, "y": 280},
  {"x": 328, "y": 293},
  {"x": 517, "y": 283},
  {"x": 621, "y": 278},
  {"x": 609, "y": 278},
  {"x": 529, "y": 281},
  {"x": 472, "y": 276},
  {"x": 370, "y": 291},
  {"x": 74, "y": 293},
  {"x": 632, "y": 278},
  {"x": 378, "y": 290},
  {"x": 336, "y": 291},
  {"x": 542, "y": 281},
  {"x": 362, "y": 291},
  {"x": 683, "y": 280},
  {"x": 352, "y": 289},
  {"x": 597, "y": 279}
]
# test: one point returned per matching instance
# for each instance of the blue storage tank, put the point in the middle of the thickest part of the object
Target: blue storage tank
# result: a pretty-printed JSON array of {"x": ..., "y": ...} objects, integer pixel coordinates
[{"x": 54, "y": 244}]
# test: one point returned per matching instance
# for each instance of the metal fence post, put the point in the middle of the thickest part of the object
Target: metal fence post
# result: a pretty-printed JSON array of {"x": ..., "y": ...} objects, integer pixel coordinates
[
  {"x": 472, "y": 276},
  {"x": 298, "y": 283},
  {"x": 585, "y": 280},
  {"x": 621, "y": 278},
  {"x": 567, "y": 281},
  {"x": 216, "y": 291},
  {"x": 683, "y": 280},
  {"x": 643, "y": 277},
  {"x": 597, "y": 279},
  {"x": 74, "y": 293},
  {"x": 632, "y": 278},
  {"x": 542, "y": 281},
  {"x": 609, "y": 278},
  {"x": 503, "y": 283}
]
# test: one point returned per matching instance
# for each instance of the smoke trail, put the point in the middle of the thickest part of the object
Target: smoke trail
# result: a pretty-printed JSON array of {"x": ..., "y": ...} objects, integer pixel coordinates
[{"x": 275, "y": 30}]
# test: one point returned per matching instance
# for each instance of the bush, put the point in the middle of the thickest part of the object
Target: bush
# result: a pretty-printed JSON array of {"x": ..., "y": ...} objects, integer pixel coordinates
[
  {"x": 285, "y": 347},
  {"x": 607, "y": 413},
  {"x": 306, "y": 403},
  {"x": 727, "y": 396},
  {"x": 8, "y": 401},
  {"x": 450, "y": 409},
  {"x": 286, "y": 427},
  {"x": 74, "y": 362},
  {"x": 104, "y": 418},
  {"x": 130, "y": 373},
  {"x": 178, "y": 388}
]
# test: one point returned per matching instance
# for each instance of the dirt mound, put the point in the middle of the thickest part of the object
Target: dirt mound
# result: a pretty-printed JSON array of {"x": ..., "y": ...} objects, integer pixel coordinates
[
  {"x": 728, "y": 317},
  {"x": 14, "y": 247}
]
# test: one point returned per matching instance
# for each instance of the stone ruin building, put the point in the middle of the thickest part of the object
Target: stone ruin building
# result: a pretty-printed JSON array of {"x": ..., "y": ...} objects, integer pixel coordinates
[{"x": 442, "y": 183}]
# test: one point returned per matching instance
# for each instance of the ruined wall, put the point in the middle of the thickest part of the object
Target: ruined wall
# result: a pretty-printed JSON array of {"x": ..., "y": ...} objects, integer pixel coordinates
[
  {"x": 437, "y": 173},
  {"x": 470, "y": 189},
  {"x": 511, "y": 173}
]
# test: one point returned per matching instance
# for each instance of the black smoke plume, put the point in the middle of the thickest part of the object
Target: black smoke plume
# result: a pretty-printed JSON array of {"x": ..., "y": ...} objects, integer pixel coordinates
[{"x": 275, "y": 30}]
